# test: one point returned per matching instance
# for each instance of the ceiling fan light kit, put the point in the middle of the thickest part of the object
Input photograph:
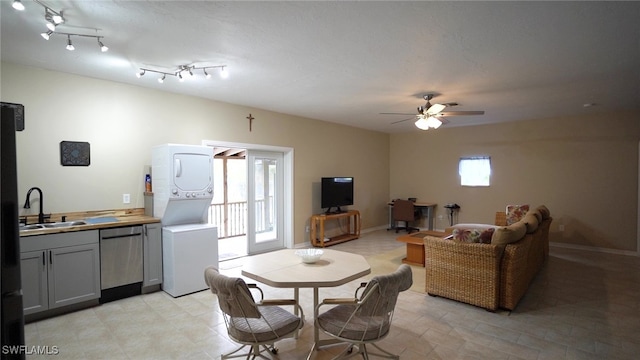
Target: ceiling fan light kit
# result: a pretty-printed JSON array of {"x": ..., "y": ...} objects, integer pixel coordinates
[{"x": 426, "y": 123}]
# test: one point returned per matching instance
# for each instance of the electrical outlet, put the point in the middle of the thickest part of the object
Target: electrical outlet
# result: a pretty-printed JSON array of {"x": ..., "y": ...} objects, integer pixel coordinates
[
  {"x": 561, "y": 227},
  {"x": 306, "y": 229},
  {"x": 126, "y": 198}
]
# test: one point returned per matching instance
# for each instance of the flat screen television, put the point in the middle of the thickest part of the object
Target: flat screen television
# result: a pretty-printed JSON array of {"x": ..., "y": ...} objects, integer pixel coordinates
[{"x": 336, "y": 192}]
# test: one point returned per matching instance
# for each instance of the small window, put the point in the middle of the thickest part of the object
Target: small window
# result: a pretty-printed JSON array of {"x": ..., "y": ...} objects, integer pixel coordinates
[{"x": 475, "y": 171}]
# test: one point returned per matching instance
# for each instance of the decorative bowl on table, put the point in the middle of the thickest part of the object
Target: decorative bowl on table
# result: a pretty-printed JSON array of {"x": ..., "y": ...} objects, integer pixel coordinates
[{"x": 309, "y": 256}]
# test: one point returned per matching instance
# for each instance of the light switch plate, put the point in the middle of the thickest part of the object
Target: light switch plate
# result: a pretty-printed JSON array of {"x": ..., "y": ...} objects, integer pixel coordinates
[{"x": 126, "y": 198}]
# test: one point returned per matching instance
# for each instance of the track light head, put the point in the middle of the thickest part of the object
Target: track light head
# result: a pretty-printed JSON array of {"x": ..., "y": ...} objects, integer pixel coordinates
[
  {"x": 141, "y": 73},
  {"x": 206, "y": 74},
  {"x": 180, "y": 78},
  {"x": 51, "y": 26},
  {"x": 46, "y": 35},
  {"x": 103, "y": 47},
  {"x": 161, "y": 80},
  {"x": 57, "y": 18},
  {"x": 18, "y": 5},
  {"x": 224, "y": 73},
  {"x": 70, "y": 46}
]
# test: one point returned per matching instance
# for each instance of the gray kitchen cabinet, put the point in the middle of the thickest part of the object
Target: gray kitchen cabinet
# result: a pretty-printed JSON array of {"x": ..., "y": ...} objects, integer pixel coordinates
[
  {"x": 152, "y": 248},
  {"x": 35, "y": 296},
  {"x": 59, "y": 270}
]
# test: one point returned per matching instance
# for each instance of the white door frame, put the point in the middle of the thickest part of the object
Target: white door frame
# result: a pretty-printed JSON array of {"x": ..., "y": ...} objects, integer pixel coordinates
[{"x": 287, "y": 171}]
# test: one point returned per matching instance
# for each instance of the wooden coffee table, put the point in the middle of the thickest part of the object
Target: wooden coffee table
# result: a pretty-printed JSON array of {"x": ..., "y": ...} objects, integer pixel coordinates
[{"x": 415, "y": 246}]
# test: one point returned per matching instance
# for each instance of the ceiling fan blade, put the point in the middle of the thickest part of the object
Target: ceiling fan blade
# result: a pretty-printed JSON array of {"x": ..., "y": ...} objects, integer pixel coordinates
[
  {"x": 435, "y": 109},
  {"x": 399, "y": 121},
  {"x": 458, "y": 113},
  {"x": 395, "y": 114}
]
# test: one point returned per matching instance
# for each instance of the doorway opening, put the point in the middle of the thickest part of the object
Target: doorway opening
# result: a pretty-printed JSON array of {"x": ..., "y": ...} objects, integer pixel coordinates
[
  {"x": 228, "y": 210},
  {"x": 253, "y": 198}
]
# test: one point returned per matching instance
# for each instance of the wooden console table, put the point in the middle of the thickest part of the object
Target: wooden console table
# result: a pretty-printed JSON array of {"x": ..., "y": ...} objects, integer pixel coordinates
[{"x": 352, "y": 228}]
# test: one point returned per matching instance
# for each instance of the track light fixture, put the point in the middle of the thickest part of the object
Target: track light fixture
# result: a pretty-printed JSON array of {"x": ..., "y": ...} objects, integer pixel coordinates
[
  {"x": 53, "y": 19},
  {"x": 183, "y": 70},
  {"x": 70, "y": 47}
]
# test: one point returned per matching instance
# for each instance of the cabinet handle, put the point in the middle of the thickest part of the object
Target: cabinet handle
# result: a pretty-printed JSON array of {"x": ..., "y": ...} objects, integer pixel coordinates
[
  {"x": 145, "y": 230},
  {"x": 50, "y": 258},
  {"x": 44, "y": 261}
]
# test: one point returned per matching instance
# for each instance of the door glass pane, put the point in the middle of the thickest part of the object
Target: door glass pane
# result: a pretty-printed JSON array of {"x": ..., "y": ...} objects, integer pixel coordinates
[{"x": 265, "y": 195}]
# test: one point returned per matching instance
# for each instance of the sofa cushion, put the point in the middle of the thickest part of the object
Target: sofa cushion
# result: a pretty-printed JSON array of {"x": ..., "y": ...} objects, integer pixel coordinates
[
  {"x": 509, "y": 234},
  {"x": 473, "y": 235},
  {"x": 515, "y": 213},
  {"x": 536, "y": 213},
  {"x": 544, "y": 211},
  {"x": 531, "y": 222}
]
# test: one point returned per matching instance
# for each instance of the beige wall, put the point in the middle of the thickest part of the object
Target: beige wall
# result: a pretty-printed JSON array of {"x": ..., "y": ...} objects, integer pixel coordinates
[
  {"x": 585, "y": 169},
  {"x": 122, "y": 123}
]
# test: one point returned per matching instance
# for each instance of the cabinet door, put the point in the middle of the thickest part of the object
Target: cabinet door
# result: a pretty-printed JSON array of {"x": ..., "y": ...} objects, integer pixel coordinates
[
  {"x": 74, "y": 275},
  {"x": 33, "y": 271},
  {"x": 152, "y": 254}
]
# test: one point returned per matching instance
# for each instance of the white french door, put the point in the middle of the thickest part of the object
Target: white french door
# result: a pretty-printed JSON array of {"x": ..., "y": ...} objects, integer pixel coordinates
[{"x": 265, "y": 215}]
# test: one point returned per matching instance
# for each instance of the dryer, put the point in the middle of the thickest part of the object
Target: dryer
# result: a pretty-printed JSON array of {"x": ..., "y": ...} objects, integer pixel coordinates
[{"x": 182, "y": 177}]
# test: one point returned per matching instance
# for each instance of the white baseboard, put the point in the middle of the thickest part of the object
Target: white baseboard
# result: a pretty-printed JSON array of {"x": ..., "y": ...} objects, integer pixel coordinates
[{"x": 595, "y": 249}]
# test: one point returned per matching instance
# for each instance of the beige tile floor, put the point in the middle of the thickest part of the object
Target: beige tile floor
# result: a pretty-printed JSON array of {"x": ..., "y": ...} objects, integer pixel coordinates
[{"x": 583, "y": 305}]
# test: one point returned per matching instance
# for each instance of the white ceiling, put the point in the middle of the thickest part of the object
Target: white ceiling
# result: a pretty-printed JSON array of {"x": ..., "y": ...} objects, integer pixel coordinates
[{"x": 346, "y": 62}]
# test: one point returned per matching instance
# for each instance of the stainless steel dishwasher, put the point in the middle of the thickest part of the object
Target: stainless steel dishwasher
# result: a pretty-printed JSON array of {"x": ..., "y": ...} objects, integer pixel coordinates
[{"x": 121, "y": 262}]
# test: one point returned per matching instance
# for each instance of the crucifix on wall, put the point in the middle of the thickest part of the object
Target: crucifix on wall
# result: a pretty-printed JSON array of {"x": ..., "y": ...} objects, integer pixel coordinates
[{"x": 250, "y": 121}]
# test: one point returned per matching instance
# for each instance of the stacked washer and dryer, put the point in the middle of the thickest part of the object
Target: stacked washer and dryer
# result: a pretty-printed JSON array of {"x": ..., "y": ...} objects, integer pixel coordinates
[{"x": 182, "y": 193}]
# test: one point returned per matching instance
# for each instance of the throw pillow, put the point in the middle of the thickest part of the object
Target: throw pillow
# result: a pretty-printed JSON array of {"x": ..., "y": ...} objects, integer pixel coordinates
[
  {"x": 486, "y": 235},
  {"x": 473, "y": 235},
  {"x": 466, "y": 235},
  {"x": 508, "y": 234},
  {"x": 515, "y": 213}
]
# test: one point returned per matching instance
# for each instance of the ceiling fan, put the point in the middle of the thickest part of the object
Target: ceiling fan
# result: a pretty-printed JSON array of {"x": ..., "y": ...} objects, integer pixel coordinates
[{"x": 429, "y": 114}]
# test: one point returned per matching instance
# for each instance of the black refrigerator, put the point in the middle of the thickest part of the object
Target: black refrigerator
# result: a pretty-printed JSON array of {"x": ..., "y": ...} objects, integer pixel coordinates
[{"x": 12, "y": 329}]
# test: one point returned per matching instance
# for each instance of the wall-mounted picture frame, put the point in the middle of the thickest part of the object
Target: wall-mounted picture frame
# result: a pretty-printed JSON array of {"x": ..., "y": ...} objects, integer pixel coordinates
[{"x": 75, "y": 153}]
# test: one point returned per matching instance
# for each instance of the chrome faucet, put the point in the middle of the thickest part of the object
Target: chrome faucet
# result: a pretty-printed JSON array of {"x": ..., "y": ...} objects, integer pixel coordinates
[{"x": 27, "y": 205}]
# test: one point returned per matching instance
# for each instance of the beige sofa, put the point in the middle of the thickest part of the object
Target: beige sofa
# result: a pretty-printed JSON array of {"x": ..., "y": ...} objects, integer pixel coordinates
[{"x": 494, "y": 275}]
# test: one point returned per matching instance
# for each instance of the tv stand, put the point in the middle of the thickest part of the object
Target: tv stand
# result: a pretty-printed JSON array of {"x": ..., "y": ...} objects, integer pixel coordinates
[
  {"x": 337, "y": 211},
  {"x": 351, "y": 228}
]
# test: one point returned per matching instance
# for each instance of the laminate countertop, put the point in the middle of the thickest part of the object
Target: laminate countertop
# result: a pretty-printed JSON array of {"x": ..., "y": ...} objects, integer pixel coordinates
[{"x": 92, "y": 222}]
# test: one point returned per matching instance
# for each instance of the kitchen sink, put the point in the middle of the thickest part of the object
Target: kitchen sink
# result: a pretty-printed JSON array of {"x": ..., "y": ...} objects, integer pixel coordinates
[
  {"x": 55, "y": 225},
  {"x": 31, "y": 227},
  {"x": 62, "y": 224}
]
